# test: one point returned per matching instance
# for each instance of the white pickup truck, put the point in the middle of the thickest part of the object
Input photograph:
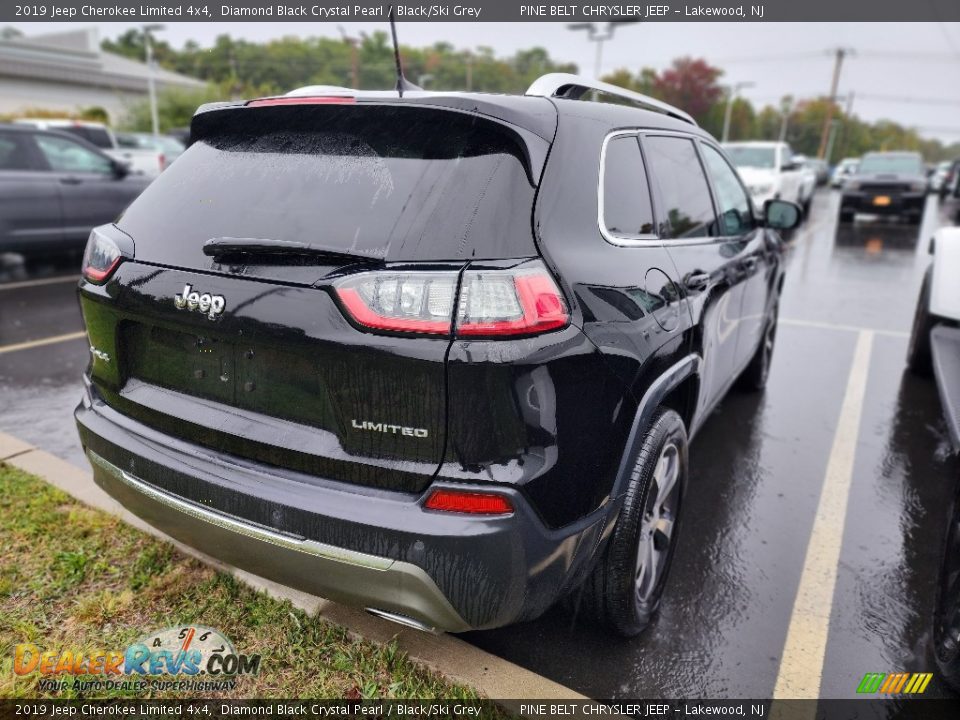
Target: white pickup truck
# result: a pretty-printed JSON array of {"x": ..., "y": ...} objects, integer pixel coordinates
[
  {"x": 141, "y": 161},
  {"x": 771, "y": 171}
]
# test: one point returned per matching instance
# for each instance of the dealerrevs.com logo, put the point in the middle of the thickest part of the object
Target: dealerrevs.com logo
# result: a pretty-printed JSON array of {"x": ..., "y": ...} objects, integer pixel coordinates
[{"x": 202, "y": 659}]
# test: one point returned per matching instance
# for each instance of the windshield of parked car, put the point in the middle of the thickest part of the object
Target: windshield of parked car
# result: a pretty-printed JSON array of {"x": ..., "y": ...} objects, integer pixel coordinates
[
  {"x": 749, "y": 156},
  {"x": 902, "y": 164}
]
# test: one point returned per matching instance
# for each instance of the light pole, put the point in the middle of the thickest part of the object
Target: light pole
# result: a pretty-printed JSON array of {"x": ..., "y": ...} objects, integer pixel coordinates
[
  {"x": 732, "y": 91},
  {"x": 151, "y": 76},
  {"x": 599, "y": 36}
]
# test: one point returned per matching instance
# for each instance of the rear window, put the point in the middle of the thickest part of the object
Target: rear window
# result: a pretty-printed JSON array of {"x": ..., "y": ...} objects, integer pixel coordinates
[{"x": 394, "y": 183}]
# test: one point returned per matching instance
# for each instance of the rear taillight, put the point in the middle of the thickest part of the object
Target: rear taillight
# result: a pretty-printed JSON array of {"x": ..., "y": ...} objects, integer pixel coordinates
[
  {"x": 400, "y": 302},
  {"x": 520, "y": 302},
  {"x": 473, "y": 503},
  {"x": 101, "y": 257},
  {"x": 492, "y": 303}
]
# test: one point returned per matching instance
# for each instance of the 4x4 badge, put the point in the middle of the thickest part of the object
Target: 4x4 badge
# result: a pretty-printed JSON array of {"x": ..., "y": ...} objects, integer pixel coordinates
[{"x": 190, "y": 299}]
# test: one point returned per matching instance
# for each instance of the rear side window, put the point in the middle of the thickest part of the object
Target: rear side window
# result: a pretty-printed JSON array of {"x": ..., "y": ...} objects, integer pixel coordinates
[
  {"x": 675, "y": 170},
  {"x": 393, "y": 183},
  {"x": 626, "y": 197},
  {"x": 15, "y": 152}
]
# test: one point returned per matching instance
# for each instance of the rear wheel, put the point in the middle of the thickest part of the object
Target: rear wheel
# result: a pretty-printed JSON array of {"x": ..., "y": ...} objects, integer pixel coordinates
[
  {"x": 919, "y": 353},
  {"x": 626, "y": 586}
]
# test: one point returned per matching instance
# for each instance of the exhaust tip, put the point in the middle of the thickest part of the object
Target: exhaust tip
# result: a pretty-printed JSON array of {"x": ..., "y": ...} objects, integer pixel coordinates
[{"x": 402, "y": 620}]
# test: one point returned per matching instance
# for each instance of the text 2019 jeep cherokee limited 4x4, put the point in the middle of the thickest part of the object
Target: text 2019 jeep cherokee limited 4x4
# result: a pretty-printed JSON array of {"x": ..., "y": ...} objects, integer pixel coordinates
[{"x": 437, "y": 356}]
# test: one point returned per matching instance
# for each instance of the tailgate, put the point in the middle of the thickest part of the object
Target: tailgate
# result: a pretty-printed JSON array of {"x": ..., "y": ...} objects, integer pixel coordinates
[{"x": 281, "y": 378}]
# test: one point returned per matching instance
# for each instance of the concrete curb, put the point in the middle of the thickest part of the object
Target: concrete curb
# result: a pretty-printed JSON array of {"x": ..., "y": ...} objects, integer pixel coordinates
[{"x": 496, "y": 678}]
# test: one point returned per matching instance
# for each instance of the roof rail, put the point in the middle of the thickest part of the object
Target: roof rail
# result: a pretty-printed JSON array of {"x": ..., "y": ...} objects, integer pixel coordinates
[{"x": 572, "y": 87}]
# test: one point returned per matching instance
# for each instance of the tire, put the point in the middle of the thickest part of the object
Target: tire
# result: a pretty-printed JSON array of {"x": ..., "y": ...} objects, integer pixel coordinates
[
  {"x": 919, "y": 354},
  {"x": 625, "y": 588},
  {"x": 807, "y": 204},
  {"x": 754, "y": 377},
  {"x": 946, "y": 619}
]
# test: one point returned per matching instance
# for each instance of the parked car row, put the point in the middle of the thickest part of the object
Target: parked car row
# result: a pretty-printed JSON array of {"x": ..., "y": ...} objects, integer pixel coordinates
[
  {"x": 147, "y": 158},
  {"x": 55, "y": 187}
]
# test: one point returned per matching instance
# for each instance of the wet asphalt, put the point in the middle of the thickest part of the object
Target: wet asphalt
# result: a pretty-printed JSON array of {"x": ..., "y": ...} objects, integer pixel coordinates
[{"x": 757, "y": 469}]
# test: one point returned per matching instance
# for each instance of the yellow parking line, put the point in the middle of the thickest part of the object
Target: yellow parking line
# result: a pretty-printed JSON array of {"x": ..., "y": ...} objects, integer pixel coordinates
[
  {"x": 43, "y": 341},
  {"x": 35, "y": 283},
  {"x": 801, "y": 667}
]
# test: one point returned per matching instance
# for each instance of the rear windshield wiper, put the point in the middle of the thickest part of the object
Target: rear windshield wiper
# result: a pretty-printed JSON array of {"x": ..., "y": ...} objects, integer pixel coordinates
[{"x": 230, "y": 246}]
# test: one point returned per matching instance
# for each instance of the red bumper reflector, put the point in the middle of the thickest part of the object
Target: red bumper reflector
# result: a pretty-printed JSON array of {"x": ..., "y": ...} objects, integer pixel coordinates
[{"x": 474, "y": 503}]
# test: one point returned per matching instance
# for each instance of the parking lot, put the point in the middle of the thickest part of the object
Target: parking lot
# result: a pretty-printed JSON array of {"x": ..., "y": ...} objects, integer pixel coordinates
[{"x": 816, "y": 509}]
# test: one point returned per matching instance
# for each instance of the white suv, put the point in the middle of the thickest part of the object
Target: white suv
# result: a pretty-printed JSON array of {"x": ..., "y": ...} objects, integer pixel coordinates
[{"x": 770, "y": 171}]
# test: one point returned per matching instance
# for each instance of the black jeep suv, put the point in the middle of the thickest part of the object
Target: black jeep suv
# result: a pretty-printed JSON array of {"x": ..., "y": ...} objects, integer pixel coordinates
[
  {"x": 886, "y": 183},
  {"x": 438, "y": 356}
]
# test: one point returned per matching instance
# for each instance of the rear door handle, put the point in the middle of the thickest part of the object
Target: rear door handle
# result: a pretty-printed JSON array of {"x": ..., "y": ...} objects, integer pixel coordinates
[
  {"x": 70, "y": 180},
  {"x": 696, "y": 281}
]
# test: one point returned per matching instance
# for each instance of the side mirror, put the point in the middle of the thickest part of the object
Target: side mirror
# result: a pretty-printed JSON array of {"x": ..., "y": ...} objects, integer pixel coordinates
[
  {"x": 781, "y": 214},
  {"x": 120, "y": 169}
]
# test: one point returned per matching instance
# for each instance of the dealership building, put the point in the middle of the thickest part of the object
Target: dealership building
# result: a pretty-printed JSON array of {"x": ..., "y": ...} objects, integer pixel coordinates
[{"x": 68, "y": 71}]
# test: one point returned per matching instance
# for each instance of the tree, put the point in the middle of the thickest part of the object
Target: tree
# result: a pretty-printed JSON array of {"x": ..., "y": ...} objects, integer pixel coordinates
[{"x": 691, "y": 85}]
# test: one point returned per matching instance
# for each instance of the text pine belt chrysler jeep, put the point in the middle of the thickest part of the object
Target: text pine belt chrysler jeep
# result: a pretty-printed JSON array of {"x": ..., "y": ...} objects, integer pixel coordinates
[{"x": 437, "y": 356}]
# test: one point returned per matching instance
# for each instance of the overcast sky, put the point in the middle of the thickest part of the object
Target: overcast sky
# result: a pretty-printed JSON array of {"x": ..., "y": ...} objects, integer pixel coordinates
[{"x": 907, "y": 72}]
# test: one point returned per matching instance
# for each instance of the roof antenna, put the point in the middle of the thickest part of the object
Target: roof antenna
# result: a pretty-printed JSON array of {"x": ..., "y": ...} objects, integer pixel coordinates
[{"x": 402, "y": 82}]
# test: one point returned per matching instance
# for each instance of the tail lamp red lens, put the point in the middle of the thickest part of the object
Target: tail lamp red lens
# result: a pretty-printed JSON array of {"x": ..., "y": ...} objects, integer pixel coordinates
[
  {"x": 492, "y": 303},
  {"x": 101, "y": 258},
  {"x": 473, "y": 503}
]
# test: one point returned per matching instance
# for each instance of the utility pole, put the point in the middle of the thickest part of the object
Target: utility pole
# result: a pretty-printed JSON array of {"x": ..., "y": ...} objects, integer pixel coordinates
[
  {"x": 838, "y": 54},
  {"x": 354, "y": 57},
  {"x": 151, "y": 77},
  {"x": 732, "y": 91},
  {"x": 786, "y": 109}
]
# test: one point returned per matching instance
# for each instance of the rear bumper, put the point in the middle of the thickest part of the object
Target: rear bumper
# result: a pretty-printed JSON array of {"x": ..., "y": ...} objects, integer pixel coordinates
[
  {"x": 373, "y": 549},
  {"x": 899, "y": 203}
]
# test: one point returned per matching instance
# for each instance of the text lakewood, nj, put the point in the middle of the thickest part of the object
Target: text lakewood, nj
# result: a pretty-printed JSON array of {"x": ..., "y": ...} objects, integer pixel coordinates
[{"x": 640, "y": 11}]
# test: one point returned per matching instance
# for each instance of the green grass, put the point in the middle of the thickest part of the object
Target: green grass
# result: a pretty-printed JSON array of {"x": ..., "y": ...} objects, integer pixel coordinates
[{"x": 73, "y": 578}]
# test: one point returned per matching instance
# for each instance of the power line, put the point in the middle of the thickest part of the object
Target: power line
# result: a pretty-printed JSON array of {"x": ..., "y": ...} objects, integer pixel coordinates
[{"x": 907, "y": 100}]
